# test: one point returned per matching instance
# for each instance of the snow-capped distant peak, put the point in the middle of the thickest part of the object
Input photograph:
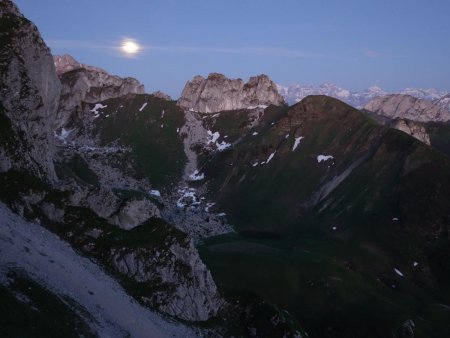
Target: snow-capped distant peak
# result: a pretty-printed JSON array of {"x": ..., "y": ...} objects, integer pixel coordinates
[
  {"x": 358, "y": 99},
  {"x": 376, "y": 89}
]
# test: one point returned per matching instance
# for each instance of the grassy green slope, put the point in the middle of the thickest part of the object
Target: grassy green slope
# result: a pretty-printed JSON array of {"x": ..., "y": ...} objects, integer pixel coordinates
[
  {"x": 439, "y": 136},
  {"x": 157, "y": 149},
  {"x": 331, "y": 261},
  {"x": 274, "y": 195}
]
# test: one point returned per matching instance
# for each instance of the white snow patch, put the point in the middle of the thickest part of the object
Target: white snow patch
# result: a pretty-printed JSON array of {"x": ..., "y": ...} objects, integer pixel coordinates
[
  {"x": 97, "y": 107},
  {"x": 196, "y": 176},
  {"x": 255, "y": 164},
  {"x": 188, "y": 197},
  {"x": 214, "y": 136},
  {"x": 321, "y": 158},
  {"x": 155, "y": 193},
  {"x": 208, "y": 206},
  {"x": 102, "y": 150},
  {"x": 162, "y": 114},
  {"x": 398, "y": 272},
  {"x": 222, "y": 146},
  {"x": 178, "y": 130},
  {"x": 334, "y": 228},
  {"x": 222, "y": 214},
  {"x": 255, "y": 133},
  {"x": 162, "y": 125},
  {"x": 64, "y": 134},
  {"x": 287, "y": 135},
  {"x": 270, "y": 157},
  {"x": 143, "y": 106},
  {"x": 213, "y": 140},
  {"x": 297, "y": 142},
  {"x": 395, "y": 219},
  {"x": 261, "y": 106},
  {"x": 415, "y": 264}
]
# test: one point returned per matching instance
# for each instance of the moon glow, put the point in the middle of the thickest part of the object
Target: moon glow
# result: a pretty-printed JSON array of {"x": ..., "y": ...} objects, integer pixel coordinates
[{"x": 130, "y": 47}]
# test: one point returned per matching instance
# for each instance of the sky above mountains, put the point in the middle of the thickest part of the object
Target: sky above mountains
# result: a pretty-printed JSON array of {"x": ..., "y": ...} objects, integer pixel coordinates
[{"x": 355, "y": 44}]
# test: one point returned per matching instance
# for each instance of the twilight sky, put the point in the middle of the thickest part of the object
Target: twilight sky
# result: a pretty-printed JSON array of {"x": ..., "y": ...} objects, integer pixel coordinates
[{"x": 354, "y": 43}]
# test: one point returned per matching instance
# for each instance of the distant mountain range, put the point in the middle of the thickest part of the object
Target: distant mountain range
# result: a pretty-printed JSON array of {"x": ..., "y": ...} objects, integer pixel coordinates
[{"x": 296, "y": 92}]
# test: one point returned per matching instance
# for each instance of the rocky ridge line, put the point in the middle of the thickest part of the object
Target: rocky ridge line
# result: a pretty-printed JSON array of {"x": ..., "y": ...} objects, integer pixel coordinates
[
  {"x": 218, "y": 93},
  {"x": 407, "y": 107},
  {"x": 87, "y": 84}
]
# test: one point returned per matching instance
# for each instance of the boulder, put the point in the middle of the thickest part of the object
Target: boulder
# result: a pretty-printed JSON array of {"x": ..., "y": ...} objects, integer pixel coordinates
[{"x": 135, "y": 212}]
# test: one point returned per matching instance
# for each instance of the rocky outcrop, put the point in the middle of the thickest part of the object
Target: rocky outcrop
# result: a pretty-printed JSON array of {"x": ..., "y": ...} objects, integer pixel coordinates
[
  {"x": 407, "y": 107},
  {"x": 162, "y": 95},
  {"x": 29, "y": 92},
  {"x": 87, "y": 84},
  {"x": 443, "y": 102},
  {"x": 416, "y": 130},
  {"x": 189, "y": 293},
  {"x": 135, "y": 212},
  {"x": 218, "y": 93},
  {"x": 66, "y": 63}
]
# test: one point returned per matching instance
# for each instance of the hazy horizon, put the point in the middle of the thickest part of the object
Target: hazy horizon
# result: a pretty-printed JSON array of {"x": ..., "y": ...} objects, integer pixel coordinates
[{"x": 355, "y": 46}]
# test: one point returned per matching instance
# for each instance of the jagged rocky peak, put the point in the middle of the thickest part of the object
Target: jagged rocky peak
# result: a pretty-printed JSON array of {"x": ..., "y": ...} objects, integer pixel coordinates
[
  {"x": 83, "y": 83},
  {"x": 218, "y": 93},
  {"x": 407, "y": 107},
  {"x": 29, "y": 92},
  {"x": 162, "y": 95},
  {"x": 416, "y": 130},
  {"x": 66, "y": 63}
]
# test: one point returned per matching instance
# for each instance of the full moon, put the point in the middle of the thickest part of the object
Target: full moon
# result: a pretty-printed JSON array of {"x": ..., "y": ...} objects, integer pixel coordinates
[{"x": 130, "y": 47}]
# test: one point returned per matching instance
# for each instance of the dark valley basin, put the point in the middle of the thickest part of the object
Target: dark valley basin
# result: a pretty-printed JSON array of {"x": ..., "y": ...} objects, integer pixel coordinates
[
  {"x": 333, "y": 288},
  {"x": 260, "y": 234}
]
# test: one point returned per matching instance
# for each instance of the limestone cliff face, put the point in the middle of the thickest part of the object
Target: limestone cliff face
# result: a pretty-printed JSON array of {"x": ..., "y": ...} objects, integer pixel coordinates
[
  {"x": 82, "y": 83},
  {"x": 218, "y": 93},
  {"x": 416, "y": 130},
  {"x": 407, "y": 107},
  {"x": 29, "y": 92}
]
